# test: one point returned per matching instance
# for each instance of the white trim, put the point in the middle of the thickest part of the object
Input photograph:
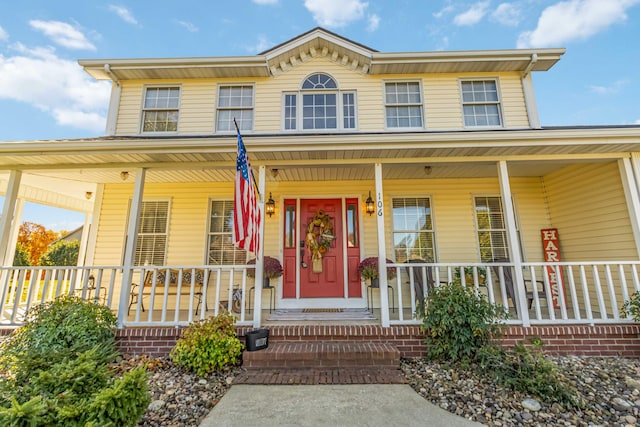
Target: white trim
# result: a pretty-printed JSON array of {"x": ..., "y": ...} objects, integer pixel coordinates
[
  {"x": 629, "y": 175},
  {"x": 93, "y": 235},
  {"x": 423, "y": 113},
  {"x": 142, "y": 109},
  {"x": 8, "y": 210},
  {"x": 382, "y": 247},
  {"x": 499, "y": 103},
  {"x": 112, "y": 113},
  {"x": 217, "y": 107},
  {"x": 530, "y": 101}
]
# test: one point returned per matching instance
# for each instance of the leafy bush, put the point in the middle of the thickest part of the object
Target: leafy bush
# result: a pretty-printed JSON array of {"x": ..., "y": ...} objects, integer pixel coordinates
[
  {"x": 632, "y": 307},
  {"x": 208, "y": 345},
  {"x": 21, "y": 257},
  {"x": 62, "y": 252},
  {"x": 527, "y": 370},
  {"x": 457, "y": 322},
  {"x": 55, "y": 370}
]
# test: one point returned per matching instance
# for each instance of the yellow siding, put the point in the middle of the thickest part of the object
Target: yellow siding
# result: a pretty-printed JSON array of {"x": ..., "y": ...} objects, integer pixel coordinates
[
  {"x": 441, "y": 97},
  {"x": 592, "y": 218},
  {"x": 452, "y": 207}
]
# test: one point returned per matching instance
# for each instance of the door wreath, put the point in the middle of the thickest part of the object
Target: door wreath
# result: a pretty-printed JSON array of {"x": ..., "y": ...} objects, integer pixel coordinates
[{"x": 319, "y": 237}]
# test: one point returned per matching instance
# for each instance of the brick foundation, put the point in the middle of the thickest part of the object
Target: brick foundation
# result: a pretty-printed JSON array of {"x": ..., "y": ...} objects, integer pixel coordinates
[{"x": 600, "y": 340}]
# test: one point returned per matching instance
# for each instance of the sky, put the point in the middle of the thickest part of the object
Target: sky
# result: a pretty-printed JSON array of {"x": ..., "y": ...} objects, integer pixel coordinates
[{"x": 45, "y": 94}]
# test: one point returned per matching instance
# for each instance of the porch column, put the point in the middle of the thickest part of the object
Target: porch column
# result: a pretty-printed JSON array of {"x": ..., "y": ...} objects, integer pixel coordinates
[
  {"x": 514, "y": 245},
  {"x": 257, "y": 295},
  {"x": 13, "y": 235},
  {"x": 93, "y": 231},
  {"x": 382, "y": 250},
  {"x": 84, "y": 239},
  {"x": 630, "y": 175},
  {"x": 8, "y": 211},
  {"x": 130, "y": 248}
]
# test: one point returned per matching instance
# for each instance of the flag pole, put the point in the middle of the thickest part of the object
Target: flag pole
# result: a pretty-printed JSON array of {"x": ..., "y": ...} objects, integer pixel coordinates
[{"x": 255, "y": 183}]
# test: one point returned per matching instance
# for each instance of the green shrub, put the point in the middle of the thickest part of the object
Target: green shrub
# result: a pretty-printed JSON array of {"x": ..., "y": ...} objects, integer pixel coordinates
[
  {"x": 55, "y": 371},
  {"x": 457, "y": 322},
  {"x": 208, "y": 345},
  {"x": 62, "y": 252},
  {"x": 632, "y": 307},
  {"x": 525, "y": 369}
]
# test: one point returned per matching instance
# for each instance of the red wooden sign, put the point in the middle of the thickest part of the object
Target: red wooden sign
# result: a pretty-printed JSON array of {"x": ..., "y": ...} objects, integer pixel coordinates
[{"x": 551, "y": 248}]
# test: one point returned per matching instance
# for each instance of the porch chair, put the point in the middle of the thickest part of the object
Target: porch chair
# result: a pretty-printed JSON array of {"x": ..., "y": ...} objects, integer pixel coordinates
[
  {"x": 508, "y": 281},
  {"x": 418, "y": 280},
  {"x": 173, "y": 282}
]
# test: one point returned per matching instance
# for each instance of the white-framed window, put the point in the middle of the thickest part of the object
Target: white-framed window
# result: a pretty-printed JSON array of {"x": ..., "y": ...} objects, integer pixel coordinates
[
  {"x": 153, "y": 233},
  {"x": 480, "y": 103},
  {"x": 413, "y": 233},
  {"x": 221, "y": 250},
  {"x": 403, "y": 104},
  {"x": 235, "y": 101},
  {"x": 491, "y": 228},
  {"x": 160, "y": 110},
  {"x": 324, "y": 106}
]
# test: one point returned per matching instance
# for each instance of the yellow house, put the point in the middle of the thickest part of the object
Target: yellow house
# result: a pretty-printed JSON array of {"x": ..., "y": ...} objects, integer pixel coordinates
[{"x": 433, "y": 163}]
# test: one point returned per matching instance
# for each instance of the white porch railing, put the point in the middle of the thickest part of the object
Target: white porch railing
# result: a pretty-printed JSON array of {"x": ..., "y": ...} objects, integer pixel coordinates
[
  {"x": 166, "y": 295},
  {"x": 563, "y": 292}
]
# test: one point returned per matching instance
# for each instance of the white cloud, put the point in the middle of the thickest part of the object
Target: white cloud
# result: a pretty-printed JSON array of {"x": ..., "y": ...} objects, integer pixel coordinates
[
  {"x": 473, "y": 15},
  {"x": 507, "y": 14},
  {"x": 574, "y": 20},
  {"x": 4, "y": 36},
  {"x": 265, "y": 2},
  {"x": 336, "y": 13},
  {"x": 63, "y": 34},
  {"x": 261, "y": 45},
  {"x": 374, "y": 23},
  {"x": 613, "y": 88},
  {"x": 637, "y": 122},
  {"x": 57, "y": 86},
  {"x": 189, "y": 26},
  {"x": 444, "y": 11},
  {"x": 123, "y": 13}
]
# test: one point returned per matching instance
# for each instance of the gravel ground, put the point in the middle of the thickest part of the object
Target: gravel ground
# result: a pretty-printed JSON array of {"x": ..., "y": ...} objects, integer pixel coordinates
[{"x": 609, "y": 386}]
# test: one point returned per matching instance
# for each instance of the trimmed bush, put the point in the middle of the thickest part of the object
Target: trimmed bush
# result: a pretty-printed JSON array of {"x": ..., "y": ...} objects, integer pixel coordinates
[
  {"x": 457, "y": 322},
  {"x": 208, "y": 345}
]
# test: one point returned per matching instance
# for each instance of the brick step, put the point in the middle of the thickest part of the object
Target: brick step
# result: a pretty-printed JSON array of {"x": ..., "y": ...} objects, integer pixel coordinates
[
  {"x": 317, "y": 376},
  {"x": 323, "y": 354}
]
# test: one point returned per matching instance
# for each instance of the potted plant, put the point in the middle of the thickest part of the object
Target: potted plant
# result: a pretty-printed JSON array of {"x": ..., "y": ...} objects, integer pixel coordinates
[
  {"x": 368, "y": 270},
  {"x": 468, "y": 275},
  {"x": 272, "y": 270}
]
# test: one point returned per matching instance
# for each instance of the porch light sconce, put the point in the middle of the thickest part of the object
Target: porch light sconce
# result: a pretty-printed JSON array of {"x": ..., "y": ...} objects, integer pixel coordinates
[
  {"x": 274, "y": 173},
  {"x": 370, "y": 205},
  {"x": 270, "y": 206},
  {"x": 88, "y": 195},
  {"x": 124, "y": 175},
  {"x": 427, "y": 170}
]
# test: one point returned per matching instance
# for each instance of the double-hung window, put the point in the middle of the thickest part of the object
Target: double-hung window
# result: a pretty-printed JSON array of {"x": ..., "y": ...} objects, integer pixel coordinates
[
  {"x": 403, "y": 104},
  {"x": 319, "y": 105},
  {"x": 480, "y": 103},
  {"x": 220, "y": 238},
  {"x": 161, "y": 109},
  {"x": 235, "y": 102},
  {"x": 491, "y": 228},
  {"x": 153, "y": 231},
  {"x": 413, "y": 234}
]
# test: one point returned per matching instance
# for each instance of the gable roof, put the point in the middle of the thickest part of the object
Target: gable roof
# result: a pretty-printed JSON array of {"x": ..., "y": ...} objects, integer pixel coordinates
[{"x": 319, "y": 42}]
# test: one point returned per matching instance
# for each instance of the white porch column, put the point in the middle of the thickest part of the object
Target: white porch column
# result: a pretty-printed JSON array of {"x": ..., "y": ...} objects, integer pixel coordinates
[
  {"x": 8, "y": 211},
  {"x": 630, "y": 175},
  {"x": 514, "y": 244},
  {"x": 84, "y": 239},
  {"x": 257, "y": 295},
  {"x": 13, "y": 235},
  {"x": 382, "y": 250},
  {"x": 93, "y": 231},
  {"x": 130, "y": 248}
]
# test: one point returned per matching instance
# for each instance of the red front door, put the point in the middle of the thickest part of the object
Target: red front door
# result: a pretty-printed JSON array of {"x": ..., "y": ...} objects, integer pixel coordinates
[{"x": 322, "y": 273}]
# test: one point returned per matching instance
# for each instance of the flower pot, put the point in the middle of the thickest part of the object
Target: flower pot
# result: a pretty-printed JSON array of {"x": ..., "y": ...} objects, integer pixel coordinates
[{"x": 375, "y": 283}]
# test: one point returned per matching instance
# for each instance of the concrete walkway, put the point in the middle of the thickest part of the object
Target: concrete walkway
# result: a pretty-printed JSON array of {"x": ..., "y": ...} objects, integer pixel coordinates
[{"x": 328, "y": 405}]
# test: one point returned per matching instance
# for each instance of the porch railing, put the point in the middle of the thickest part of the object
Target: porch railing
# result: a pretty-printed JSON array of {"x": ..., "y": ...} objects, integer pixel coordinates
[
  {"x": 158, "y": 295},
  {"x": 563, "y": 292}
]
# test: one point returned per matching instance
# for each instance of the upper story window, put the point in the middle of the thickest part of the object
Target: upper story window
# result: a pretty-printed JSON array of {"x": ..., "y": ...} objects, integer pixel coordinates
[
  {"x": 480, "y": 103},
  {"x": 324, "y": 106},
  {"x": 160, "y": 110},
  {"x": 235, "y": 102},
  {"x": 403, "y": 104}
]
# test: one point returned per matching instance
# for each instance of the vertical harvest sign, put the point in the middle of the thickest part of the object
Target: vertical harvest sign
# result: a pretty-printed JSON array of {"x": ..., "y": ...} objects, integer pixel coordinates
[{"x": 551, "y": 248}]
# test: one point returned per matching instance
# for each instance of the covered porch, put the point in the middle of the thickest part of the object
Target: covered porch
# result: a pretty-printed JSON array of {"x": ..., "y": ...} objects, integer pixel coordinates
[{"x": 589, "y": 196}]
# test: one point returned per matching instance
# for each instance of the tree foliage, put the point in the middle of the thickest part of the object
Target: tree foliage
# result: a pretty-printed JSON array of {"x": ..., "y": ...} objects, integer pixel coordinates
[
  {"x": 21, "y": 257},
  {"x": 61, "y": 253},
  {"x": 35, "y": 239}
]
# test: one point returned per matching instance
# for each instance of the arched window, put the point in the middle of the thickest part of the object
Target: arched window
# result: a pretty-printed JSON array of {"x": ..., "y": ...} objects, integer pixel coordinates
[{"x": 324, "y": 106}]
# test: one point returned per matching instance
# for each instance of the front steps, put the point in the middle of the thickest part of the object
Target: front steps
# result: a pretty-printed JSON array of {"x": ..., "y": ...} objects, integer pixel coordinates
[{"x": 322, "y": 362}]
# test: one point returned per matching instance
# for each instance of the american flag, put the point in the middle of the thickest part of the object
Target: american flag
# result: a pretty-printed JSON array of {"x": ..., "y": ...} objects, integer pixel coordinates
[{"x": 246, "y": 215}]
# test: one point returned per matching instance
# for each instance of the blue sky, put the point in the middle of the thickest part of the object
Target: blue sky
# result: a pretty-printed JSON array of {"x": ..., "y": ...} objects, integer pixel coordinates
[{"x": 44, "y": 94}]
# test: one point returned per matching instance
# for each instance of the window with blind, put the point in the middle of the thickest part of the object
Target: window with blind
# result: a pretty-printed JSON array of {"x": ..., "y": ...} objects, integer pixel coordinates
[
  {"x": 220, "y": 238},
  {"x": 153, "y": 231},
  {"x": 413, "y": 234},
  {"x": 491, "y": 227},
  {"x": 160, "y": 110}
]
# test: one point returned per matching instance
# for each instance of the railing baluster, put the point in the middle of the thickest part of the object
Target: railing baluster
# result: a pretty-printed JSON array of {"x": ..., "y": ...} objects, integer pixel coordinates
[
  {"x": 574, "y": 293},
  {"x": 596, "y": 279}
]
